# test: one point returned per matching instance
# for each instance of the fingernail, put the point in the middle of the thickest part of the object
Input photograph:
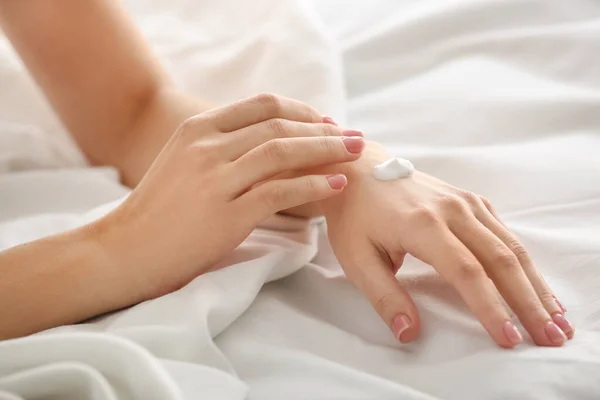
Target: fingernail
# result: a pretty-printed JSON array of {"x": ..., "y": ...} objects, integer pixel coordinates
[
  {"x": 352, "y": 132},
  {"x": 564, "y": 324},
  {"x": 329, "y": 120},
  {"x": 400, "y": 324},
  {"x": 512, "y": 333},
  {"x": 354, "y": 144},
  {"x": 337, "y": 182},
  {"x": 554, "y": 333},
  {"x": 564, "y": 310}
]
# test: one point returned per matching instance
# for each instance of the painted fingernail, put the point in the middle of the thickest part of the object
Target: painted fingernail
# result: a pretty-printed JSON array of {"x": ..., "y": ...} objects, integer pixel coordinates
[
  {"x": 352, "y": 132},
  {"x": 337, "y": 182},
  {"x": 400, "y": 324},
  {"x": 329, "y": 120},
  {"x": 564, "y": 310},
  {"x": 554, "y": 333},
  {"x": 512, "y": 333},
  {"x": 564, "y": 324},
  {"x": 354, "y": 144}
]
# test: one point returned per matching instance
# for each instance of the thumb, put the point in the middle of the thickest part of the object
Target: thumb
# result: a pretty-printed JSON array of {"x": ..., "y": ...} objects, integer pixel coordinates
[{"x": 375, "y": 277}]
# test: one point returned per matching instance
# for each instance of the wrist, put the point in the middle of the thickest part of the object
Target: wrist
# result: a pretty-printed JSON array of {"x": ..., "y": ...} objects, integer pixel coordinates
[
  {"x": 358, "y": 172},
  {"x": 124, "y": 258}
]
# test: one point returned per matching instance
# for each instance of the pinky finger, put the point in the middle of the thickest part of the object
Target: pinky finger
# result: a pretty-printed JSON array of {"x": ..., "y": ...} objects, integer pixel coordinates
[{"x": 280, "y": 194}]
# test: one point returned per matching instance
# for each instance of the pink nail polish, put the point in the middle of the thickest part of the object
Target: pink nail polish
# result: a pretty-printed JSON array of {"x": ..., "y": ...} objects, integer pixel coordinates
[
  {"x": 554, "y": 333},
  {"x": 400, "y": 324},
  {"x": 564, "y": 324},
  {"x": 564, "y": 310},
  {"x": 337, "y": 182},
  {"x": 352, "y": 132},
  {"x": 353, "y": 144},
  {"x": 329, "y": 120},
  {"x": 512, "y": 333}
]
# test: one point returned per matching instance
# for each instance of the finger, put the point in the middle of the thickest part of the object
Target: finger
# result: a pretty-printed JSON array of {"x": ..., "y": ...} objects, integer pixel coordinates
[
  {"x": 260, "y": 108},
  {"x": 488, "y": 218},
  {"x": 243, "y": 140},
  {"x": 279, "y": 155},
  {"x": 503, "y": 267},
  {"x": 273, "y": 196},
  {"x": 461, "y": 269},
  {"x": 374, "y": 277},
  {"x": 495, "y": 224}
]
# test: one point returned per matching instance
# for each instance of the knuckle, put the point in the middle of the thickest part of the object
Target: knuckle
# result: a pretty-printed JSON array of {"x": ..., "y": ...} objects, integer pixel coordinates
[
  {"x": 277, "y": 150},
  {"x": 518, "y": 250},
  {"x": 203, "y": 150},
  {"x": 279, "y": 127},
  {"x": 469, "y": 272},
  {"x": 384, "y": 303},
  {"x": 425, "y": 216},
  {"x": 453, "y": 203},
  {"x": 273, "y": 195},
  {"x": 504, "y": 259},
  {"x": 546, "y": 297},
  {"x": 270, "y": 102},
  {"x": 328, "y": 145},
  {"x": 471, "y": 198},
  {"x": 190, "y": 126},
  {"x": 329, "y": 130},
  {"x": 312, "y": 185},
  {"x": 486, "y": 202},
  {"x": 549, "y": 301}
]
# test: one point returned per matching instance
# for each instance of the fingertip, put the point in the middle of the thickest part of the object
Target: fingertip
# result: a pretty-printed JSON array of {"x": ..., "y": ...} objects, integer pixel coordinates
[
  {"x": 337, "y": 181},
  {"x": 547, "y": 334},
  {"x": 563, "y": 323},
  {"x": 354, "y": 144},
  {"x": 405, "y": 328},
  {"x": 512, "y": 335},
  {"x": 329, "y": 120}
]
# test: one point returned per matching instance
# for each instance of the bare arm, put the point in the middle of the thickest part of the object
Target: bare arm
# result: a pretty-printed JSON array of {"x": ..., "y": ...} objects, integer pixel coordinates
[
  {"x": 103, "y": 80},
  {"x": 120, "y": 106},
  {"x": 59, "y": 280},
  {"x": 101, "y": 77}
]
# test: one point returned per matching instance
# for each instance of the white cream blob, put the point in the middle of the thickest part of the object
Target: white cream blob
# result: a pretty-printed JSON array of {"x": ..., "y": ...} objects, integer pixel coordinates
[{"x": 394, "y": 168}]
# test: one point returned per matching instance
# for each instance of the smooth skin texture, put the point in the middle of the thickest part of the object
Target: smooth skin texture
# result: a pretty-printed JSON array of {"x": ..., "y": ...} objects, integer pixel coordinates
[
  {"x": 263, "y": 152},
  {"x": 202, "y": 185},
  {"x": 455, "y": 231}
]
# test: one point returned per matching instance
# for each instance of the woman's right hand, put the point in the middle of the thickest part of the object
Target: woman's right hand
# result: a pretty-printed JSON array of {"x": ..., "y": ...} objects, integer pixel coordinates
[{"x": 215, "y": 180}]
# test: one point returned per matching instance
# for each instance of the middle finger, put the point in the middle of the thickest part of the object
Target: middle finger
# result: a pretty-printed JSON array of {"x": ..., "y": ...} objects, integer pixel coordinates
[{"x": 503, "y": 267}]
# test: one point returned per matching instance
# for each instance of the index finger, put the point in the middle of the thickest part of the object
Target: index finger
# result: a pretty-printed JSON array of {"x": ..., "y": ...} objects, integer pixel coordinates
[
  {"x": 260, "y": 108},
  {"x": 374, "y": 276}
]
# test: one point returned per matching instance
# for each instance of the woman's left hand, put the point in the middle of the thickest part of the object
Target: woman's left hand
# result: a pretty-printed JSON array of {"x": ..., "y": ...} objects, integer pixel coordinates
[{"x": 374, "y": 224}]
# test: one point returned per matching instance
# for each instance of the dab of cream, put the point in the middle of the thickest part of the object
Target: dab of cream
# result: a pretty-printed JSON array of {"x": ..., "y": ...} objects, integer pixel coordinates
[{"x": 394, "y": 168}]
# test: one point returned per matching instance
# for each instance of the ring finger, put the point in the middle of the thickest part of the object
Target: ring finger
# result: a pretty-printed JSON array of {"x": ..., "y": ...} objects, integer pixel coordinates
[
  {"x": 551, "y": 304},
  {"x": 503, "y": 267}
]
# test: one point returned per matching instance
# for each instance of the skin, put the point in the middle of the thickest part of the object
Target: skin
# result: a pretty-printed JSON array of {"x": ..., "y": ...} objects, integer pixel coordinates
[{"x": 193, "y": 169}]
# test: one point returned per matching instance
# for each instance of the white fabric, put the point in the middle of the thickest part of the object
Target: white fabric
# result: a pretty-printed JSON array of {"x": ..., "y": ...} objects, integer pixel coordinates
[{"x": 499, "y": 97}]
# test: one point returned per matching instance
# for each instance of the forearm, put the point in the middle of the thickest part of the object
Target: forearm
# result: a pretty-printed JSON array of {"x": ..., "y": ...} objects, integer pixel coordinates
[
  {"x": 157, "y": 122},
  {"x": 100, "y": 76},
  {"x": 61, "y": 279},
  {"x": 91, "y": 63}
]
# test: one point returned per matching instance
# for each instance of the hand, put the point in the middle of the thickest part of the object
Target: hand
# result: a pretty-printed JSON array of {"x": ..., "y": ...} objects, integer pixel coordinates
[
  {"x": 213, "y": 183},
  {"x": 374, "y": 224}
]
